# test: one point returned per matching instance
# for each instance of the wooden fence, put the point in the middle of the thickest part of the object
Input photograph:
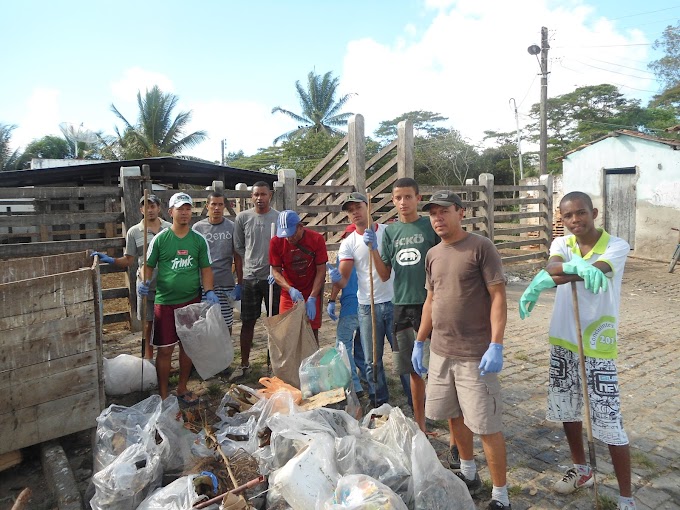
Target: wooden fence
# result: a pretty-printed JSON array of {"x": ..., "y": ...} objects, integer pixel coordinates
[{"x": 55, "y": 220}]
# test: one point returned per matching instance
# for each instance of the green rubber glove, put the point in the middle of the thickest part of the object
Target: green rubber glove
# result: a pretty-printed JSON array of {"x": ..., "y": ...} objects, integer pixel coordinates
[
  {"x": 595, "y": 280},
  {"x": 542, "y": 281}
]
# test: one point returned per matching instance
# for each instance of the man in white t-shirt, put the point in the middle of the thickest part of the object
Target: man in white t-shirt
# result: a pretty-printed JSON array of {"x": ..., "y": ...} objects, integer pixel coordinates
[
  {"x": 354, "y": 253},
  {"x": 595, "y": 260}
]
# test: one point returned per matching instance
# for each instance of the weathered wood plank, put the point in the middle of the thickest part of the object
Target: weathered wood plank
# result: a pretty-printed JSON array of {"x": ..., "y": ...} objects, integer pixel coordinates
[
  {"x": 19, "y": 250},
  {"x": 428, "y": 190},
  {"x": 326, "y": 189},
  {"x": 47, "y": 341},
  {"x": 517, "y": 230},
  {"x": 535, "y": 187},
  {"x": 117, "y": 293},
  {"x": 44, "y": 193},
  {"x": 518, "y": 201},
  {"x": 508, "y": 216},
  {"x": 516, "y": 244},
  {"x": 26, "y": 394},
  {"x": 10, "y": 459},
  {"x": 319, "y": 208},
  {"x": 114, "y": 317},
  {"x": 72, "y": 218},
  {"x": 339, "y": 227},
  {"x": 52, "y": 291},
  {"x": 45, "y": 369},
  {"x": 50, "y": 420},
  {"x": 325, "y": 161},
  {"x": 39, "y": 316},
  {"x": 528, "y": 256},
  {"x": 34, "y": 267}
]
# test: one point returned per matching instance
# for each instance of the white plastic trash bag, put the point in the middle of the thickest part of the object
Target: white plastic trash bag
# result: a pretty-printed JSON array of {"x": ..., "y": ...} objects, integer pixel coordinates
[
  {"x": 178, "y": 495},
  {"x": 359, "y": 492},
  {"x": 326, "y": 369},
  {"x": 205, "y": 337},
  {"x": 123, "y": 375}
]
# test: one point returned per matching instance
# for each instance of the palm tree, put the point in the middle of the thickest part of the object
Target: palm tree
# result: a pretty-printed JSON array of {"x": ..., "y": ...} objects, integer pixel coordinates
[
  {"x": 156, "y": 132},
  {"x": 319, "y": 107},
  {"x": 8, "y": 158}
]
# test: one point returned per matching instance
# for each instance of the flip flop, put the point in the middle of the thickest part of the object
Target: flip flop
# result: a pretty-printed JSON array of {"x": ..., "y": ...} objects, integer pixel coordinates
[{"x": 187, "y": 400}]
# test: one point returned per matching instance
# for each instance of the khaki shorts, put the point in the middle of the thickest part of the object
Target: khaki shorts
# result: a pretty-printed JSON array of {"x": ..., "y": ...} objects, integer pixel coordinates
[{"x": 455, "y": 388}]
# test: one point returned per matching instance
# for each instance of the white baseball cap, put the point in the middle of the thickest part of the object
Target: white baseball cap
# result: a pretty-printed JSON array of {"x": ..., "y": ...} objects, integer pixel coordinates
[{"x": 179, "y": 199}]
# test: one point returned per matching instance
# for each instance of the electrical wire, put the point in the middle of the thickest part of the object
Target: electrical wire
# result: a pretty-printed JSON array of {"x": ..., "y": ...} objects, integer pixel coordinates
[
  {"x": 611, "y": 71},
  {"x": 621, "y": 65},
  {"x": 645, "y": 13}
]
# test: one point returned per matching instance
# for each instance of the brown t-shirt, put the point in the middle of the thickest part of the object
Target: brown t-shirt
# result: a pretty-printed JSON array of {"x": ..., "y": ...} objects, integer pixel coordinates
[{"x": 458, "y": 275}]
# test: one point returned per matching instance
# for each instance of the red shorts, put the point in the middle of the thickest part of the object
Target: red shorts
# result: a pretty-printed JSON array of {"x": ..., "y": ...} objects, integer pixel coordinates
[
  {"x": 164, "y": 332},
  {"x": 286, "y": 304}
]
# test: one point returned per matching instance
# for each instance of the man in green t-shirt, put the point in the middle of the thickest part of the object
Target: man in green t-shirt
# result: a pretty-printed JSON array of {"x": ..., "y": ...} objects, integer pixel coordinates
[
  {"x": 183, "y": 259},
  {"x": 404, "y": 247}
]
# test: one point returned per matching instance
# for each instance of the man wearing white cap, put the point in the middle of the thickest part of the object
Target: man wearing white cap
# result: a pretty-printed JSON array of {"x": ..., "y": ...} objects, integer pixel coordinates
[
  {"x": 183, "y": 259},
  {"x": 298, "y": 258}
]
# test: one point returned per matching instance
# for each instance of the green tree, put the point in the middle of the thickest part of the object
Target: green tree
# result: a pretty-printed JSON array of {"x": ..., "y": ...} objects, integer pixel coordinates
[
  {"x": 320, "y": 110},
  {"x": 444, "y": 159},
  {"x": 8, "y": 157},
  {"x": 667, "y": 68},
  {"x": 156, "y": 132},
  {"x": 423, "y": 125},
  {"x": 47, "y": 147}
]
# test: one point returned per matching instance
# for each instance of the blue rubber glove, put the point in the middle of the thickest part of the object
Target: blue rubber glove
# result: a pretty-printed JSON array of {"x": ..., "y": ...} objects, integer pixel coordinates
[
  {"x": 371, "y": 239},
  {"x": 333, "y": 272},
  {"x": 331, "y": 311},
  {"x": 595, "y": 280},
  {"x": 295, "y": 295},
  {"x": 271, "y": 280},
  {"x": 310, "y": 307},
  {"x": 542, "y": 281},
  {"x": 492, "y": 361},
  {"x": 212, "y": 298},
  {"x": 417, "y": 358},
  {"x": 236, "y": 293},
  {"x": 143, "y": 288},
  {"x": 103, "y": 257}
]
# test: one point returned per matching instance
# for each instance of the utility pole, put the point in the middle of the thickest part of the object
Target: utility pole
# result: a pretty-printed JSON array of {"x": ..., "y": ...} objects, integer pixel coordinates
[
  {"x": 544, "y": 102},
  {"x": 224, "y": 146},
  {"x": 519, "y": 140}
]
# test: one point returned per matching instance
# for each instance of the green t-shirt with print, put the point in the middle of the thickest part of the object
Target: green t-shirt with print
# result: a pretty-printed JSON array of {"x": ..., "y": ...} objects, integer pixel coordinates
[
  {"x": 179, "y": 262},
  {"x": 404, "y": 248}
]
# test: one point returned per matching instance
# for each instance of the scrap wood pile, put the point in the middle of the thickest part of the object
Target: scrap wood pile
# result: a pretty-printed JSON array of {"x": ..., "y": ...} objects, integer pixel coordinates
[{"x": 278, "y": 447}]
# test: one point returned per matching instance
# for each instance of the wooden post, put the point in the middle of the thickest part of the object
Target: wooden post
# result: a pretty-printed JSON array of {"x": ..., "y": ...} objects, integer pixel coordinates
[
  {"x": 546, "y": 208},
  {"x": 277, "y": 199},
  {"x": 486, "y": 180},
  {"x": 132, "y": 182},
  {"x": 471, "y": 212},
  {"x": 241, "y": 202},
  {"x": 356, "y": 152},
  {"x": 289, "y": 179},
  {"x": 405, "y": 149}
]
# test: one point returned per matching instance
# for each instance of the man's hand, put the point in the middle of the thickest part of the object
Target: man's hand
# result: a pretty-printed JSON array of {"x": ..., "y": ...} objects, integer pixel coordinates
[
  {"x": 333, "y": 272},
  {"x": 595, "y": 280},
  {"x": 143, "y": 288},
  {"x": 371, "y": 239},
  {"x": 271, "y": 280},
  {"x": 492, "y": 361},
  {"x": 212, "y": 298},
  {"x": 417, "y": 358},
  {"x": 103, "y": 257},
  {"x": 310, "y": 307},
  {"x": 295, "y": 295},
  {"x": 236, "y": 293},
  {"x": 542, "y": 281},
  {"x": 331, "y": 311}
]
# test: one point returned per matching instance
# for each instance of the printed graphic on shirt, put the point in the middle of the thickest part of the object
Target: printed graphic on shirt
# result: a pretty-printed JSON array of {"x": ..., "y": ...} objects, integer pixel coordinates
[
  {"x": 601, "y": 335},
  {"x": 408, "y": 257},
  {"x": 211, "y": 237}
]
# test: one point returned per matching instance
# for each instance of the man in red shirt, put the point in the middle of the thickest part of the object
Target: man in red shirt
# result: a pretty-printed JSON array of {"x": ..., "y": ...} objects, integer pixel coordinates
[{"x": 298, "y": 258}]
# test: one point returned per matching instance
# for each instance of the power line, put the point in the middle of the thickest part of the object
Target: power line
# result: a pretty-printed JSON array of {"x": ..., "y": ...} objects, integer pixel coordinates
[
  {"x": 621, "y": 65},
  {"x": 605, "y": 46},
  {"x": 527, "y": 92},
  {"x": 611, "y": 71},
  {"x": 613, "y": 82},
  {"x": 645, "y": 13}
]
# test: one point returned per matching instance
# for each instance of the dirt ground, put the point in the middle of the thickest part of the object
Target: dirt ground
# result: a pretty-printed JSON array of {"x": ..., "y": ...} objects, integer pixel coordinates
[{"x": 641, "y": 276}]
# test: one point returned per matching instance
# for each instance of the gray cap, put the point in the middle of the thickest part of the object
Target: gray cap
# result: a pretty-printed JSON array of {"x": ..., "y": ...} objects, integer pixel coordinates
[
  {"x": 150, "y": 198},
  {"x": 355, "y": 196},
  {"x": 444, "y": 198}
]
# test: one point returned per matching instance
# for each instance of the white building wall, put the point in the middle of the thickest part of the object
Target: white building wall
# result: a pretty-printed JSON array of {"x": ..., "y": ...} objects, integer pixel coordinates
[{"x": 657, "y": 187}]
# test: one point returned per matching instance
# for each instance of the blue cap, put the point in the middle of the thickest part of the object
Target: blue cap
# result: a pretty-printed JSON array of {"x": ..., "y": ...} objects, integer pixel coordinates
[{"x": 287, "y": 223}]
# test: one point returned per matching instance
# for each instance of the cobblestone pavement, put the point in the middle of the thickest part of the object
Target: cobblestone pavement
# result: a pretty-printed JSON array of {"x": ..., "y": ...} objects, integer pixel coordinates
[{"x": 648, "y": 367}]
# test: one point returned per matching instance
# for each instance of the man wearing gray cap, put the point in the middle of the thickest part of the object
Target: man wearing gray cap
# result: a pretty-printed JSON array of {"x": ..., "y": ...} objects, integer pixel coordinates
[
  {"x": 134, "y": 248},
  {"x": 467, "y": 306}
]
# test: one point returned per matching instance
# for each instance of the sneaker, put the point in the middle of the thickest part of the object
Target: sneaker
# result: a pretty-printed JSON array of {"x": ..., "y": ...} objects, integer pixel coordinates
[
  {"x": 571, "y": 481},
  {"x": 497, "y": 505},
  {"x": 474, "y": 486},
  {"x": 239, "y": 373},
  {"x": 454, "y": 459}
]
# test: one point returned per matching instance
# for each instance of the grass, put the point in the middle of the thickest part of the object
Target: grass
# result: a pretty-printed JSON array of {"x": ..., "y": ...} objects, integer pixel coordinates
[
  {"x": 515, "y": 490},
  {"x": 522, "y": 356},
  {"x": 640, "y": 459},
  {"x": 173, "y": 380},
  {"x": 215, "y": 389},
  {"x": 607, "y": 503}
]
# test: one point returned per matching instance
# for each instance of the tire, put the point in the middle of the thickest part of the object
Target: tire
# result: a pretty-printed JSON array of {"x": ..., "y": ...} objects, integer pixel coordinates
[{"x": 674, "y": 260}]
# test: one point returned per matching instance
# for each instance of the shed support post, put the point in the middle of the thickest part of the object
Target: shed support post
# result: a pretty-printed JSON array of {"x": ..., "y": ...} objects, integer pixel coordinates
[
  {"x": 289, "y": 179},
  {"x": 356, "y": 152},
  {"x": 486, "y": 180},
  {"x": 132, "y": 183},
  {"x": 405, "y": 165}
]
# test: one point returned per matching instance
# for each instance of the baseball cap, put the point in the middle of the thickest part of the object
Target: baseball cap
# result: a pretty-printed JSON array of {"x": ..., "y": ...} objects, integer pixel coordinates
[
  {"x": 179, "y": 199},
  {"x": 287, "y": 223},
  {"x": 355, "y": 196},
  {"x": 150, "y": 198},
  {"x": 445, "y": 198}
]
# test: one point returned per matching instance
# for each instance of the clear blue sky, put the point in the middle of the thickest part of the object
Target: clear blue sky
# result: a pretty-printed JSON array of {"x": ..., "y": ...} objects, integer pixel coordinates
[{"x": 231, "y": 62}]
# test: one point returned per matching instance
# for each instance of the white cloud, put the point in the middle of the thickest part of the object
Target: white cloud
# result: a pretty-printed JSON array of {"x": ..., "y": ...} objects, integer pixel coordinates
[
  {"x": 137, "y": 79},
  {"x": 472, "y": 59},
  {"x": 245, "y": 125},
  {"x": 42, "y": 117}
]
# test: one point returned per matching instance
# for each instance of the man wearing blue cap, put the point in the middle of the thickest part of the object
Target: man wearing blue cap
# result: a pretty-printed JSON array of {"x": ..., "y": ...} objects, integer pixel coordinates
[{"x": 298, "y": 258}]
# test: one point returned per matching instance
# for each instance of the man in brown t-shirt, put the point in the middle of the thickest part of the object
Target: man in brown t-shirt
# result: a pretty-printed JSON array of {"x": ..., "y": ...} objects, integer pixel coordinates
[{"x": 466, "y": 312}]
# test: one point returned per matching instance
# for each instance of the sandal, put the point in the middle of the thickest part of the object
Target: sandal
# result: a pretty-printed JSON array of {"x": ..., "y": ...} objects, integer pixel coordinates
[{"x": 189, "y": 398}]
